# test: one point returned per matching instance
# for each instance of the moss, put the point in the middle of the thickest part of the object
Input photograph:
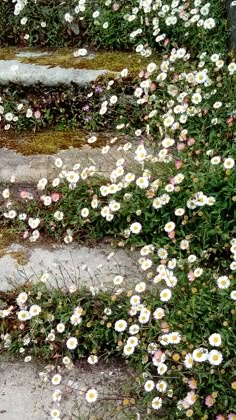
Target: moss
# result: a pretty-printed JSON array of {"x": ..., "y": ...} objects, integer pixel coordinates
[
  {"x": 7, "y": 237},
  {"x": 102, "y": 60},
  {"x": 50, "y": 142}
]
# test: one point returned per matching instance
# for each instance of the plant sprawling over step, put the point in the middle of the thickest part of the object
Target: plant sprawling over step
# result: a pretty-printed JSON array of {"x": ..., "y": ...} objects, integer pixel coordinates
[{"x": 172, "y": 197}]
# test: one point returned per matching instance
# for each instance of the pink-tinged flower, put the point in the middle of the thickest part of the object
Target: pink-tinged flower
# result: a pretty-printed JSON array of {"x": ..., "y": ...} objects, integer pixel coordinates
[
  {"x": 153, "y": 87},
  {"x": 115, "y": 7},
  {"x": 191, "y": 141},
  {"x": 171, "y": 235},
  {"x": 158, "y": 356},
  {"x": 178, "y": 164},
  {"x": 141, "y": 74},
  {"x": 24, "y": 194},
  {"x": 37, "y": 114},
  {"x": 191, "y": 276},
  {"x": 25, "y": 234},
  {"x": 230, "y": 120},
  {"x": 172, "y": 181},
  {"x": 231, "y": 416},
  {"x": 220, "y": 417},
  {"x": 181, "y": 146},
  {"x": 55, "y": 197},
  {"x": 176, "y": 77},
  {"x": 209, "y": 401},
  {"x": 166, "y": 42},
  {"x": 192, "y": 383}
]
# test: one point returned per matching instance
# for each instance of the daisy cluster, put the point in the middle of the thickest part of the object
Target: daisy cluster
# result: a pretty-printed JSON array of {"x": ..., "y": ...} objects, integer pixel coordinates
[
  {"x": 146, "y": 24},
  {"x": 171, "y": 196}
]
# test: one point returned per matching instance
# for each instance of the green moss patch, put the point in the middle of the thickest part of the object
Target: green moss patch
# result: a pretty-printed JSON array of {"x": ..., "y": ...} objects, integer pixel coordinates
[
  {"x": 113, "y": 61},
  {"x": 50, "y": 142}
]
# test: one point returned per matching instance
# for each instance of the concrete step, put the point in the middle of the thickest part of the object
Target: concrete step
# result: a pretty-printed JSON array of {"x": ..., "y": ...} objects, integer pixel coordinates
[
  {"x": 29, "y": 169},
  {"x": 83, "y": 266},
  {"x": 26, "y": 396},
  {"x": 62, "y": 66}
]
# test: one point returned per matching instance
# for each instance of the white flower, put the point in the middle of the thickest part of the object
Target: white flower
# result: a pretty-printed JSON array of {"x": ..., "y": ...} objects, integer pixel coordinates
[
  {"x": 156, "y": 403},
  {"x": 23, "y": 315},
  {"x": 192, "y": 258},
  {"x": 91, "y": 395},
  {"x": 55, "y": 413},
  {"x": 144, "y": 316},
  {"x": 120, "y": 325},
  {"x": 81, "y": 52},
  {"x": 128, "y": 349},
  {"x": 92, "y": 359},
  {"x": 169, "y": 227},
  {"x": 215, "y": 357},
  {"x": 72, "y": 177},
  {"x": 135, "y": 300},
  {"x": 200, "y": 354},
  {"x": 6, "y": 193},
  {"x": 198, "y": 272},
  {"x": 56, "y": 379},
  {"x": 27, "y": 359},
  {"x": 132, "y": 341},
  {"x": 42, "y": 183},
  {"x": 174, "y": 338},
  {"x": 29, "y": 113},
  {"x": 113, "y": 99},
  {"x": 140, "y": 287},
  {"x": 136, "y": 227},
  {"x": 161, "y": 386},
  {"x": 151, "y": 67},
  {"x": 165, "y": 295},
  {"x": 72, "y": 343},
  {"x": 23, "y": 20},
  {"x": 159, "y": 313},
  {"x": 134, "y": 329},
  {"x": 223, "y": 282},
  {"x": 56, "y": 396},
  {"x": 229, "y": 163},
  {"x": 179, "y": 212},
  {"x": 96, "y": 14},
  {"x": 35, "y": 310},
  {"x": 118, "y": 280},
  {"x": 58, "y": 215},
  {"x": 124, "y": 73},
  {"x": 196, "y": 98},
  {"x": 215, "y": 160},
  {"x": 58, "y": 163},
  {"x": 188, "y": 361},
  {"x": 149, "y": 385},
  {"x": 75, "y": 319},
  {"x": 85, "y": 212},
  {"x": 233, "y": 295},
  {"x": 168, "y": 121},
  {"x": 33, "y": 223},
  {"x": 215, "y": 340}
]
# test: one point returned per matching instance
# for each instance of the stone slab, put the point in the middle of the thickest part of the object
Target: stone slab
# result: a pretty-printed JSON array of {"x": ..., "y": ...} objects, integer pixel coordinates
[
  {"x": 27, "y": 169},
  {"x": 25, "y": 396},
  {"x": 67, "y": 265},
  {"x": 29, "y": 74}
]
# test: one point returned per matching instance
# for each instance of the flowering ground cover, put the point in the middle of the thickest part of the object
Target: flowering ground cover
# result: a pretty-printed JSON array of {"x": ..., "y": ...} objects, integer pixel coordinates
[{"x": 175, "y": 205}]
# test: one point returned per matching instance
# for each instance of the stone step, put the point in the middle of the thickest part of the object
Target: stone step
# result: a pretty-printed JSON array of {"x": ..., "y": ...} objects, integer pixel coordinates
[
  {"x": 67, "y": 264},
  {"x": 60, "y": 66},
  {"x": 29, "y": 169},
  {"x": 30, "y": 74},
  {"x": 25, "y": 396}
]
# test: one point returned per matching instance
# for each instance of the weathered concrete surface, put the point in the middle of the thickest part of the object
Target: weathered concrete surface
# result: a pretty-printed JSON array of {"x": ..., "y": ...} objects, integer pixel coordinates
[
  {"x": 29, "y": 74},
  {"x": 67, "y": 265},
  {"x": 25, "y": 396},
  {"x": 32, "y": 168}
]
